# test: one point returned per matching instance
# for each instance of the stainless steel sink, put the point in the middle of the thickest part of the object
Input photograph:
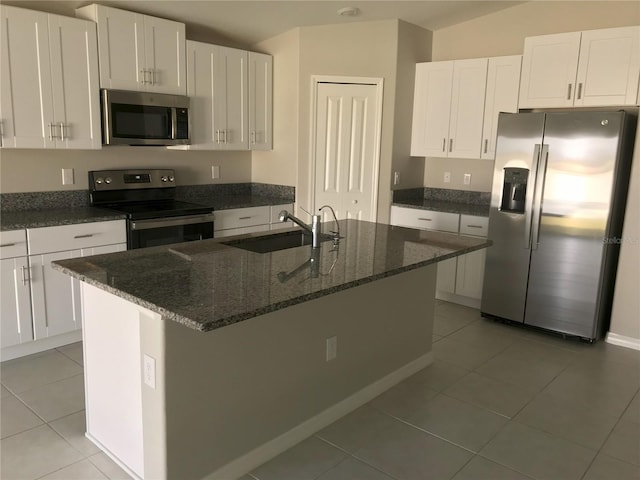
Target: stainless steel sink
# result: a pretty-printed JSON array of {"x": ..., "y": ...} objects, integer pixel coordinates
[{"x": 274, "y": 242}]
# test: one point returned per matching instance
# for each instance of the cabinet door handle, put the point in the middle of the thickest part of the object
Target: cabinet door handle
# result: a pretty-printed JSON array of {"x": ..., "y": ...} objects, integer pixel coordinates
[
  {"x": 24, "y": 271},
  {"x": 569, "y": 92},
  {"x": 152, "y": 75},
  {"x": 474, "y": 226},
  {"x": 62, "y": 126},
  {"x": 253, "y": 137},
  {"x": 7, "y": 245},
  {"x": 444, "y": 143},
  {"x": 450, "y": 144},
  {"x": 486, "y": 145},
  {"x": 426, "y": 219},
  {"x": 224, "y": 132},
  {"x": 51, "y": 132},
  {"x": 244, "y": 218},
  {"x": 87, "y": 235},
  {"x": 579, "y": 90},
  {"x": 218, "y": 136},
  {"x": 142, "y": 77},
  {"x": 144, "y": 73},
  {"x": 1, "y": 133}
]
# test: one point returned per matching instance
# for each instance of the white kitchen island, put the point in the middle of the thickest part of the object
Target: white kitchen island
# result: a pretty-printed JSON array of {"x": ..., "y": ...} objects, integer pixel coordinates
[{"x": 203, "y": 360}]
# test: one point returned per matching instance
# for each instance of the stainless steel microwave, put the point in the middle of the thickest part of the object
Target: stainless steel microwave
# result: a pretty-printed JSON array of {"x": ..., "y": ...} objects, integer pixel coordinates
[{"x": 143, "y": 118}]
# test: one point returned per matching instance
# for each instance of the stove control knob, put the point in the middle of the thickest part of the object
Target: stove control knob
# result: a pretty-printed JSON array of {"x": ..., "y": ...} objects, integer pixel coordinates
[
  {"x": 99, "y": 180},
  {"x": 107, "y": 180},
  {"x": 164, "y": 179},
  {"x": 171, "y": 178}
]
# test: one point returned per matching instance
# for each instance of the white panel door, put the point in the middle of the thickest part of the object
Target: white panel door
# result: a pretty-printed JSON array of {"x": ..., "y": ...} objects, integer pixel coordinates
[
  {"x": 467, "y": 107},
  {"x": 345, "y": 156},
  {"x": 201, "y": 89},
  {"x": 231, "y": 106},
  {"x": 470, "y": 274},
  {"x": 260, "y": 101},
  {"x": 121, "y": 49},
  {"x": 549, "y": 68},
  {"x": 74, "y": 75},
  {"x": 446, "y": 279},
  {"x": 609, "y": 67},
  {"x": 503, "y": 84},
  {"x": 15, "y": 302},
  {"x": 27, "y": 100},
  {"x": 431, "y": 109},
  {"x": 165, "y": 55}
]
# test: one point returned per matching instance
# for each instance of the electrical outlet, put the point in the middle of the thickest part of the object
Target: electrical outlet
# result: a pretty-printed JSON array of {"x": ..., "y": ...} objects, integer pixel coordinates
[
  {"x": 332, "y": 348},
  {"x": 396, "y": 178},
  {"x": 149, "y": 373},
  {"x": 67, "y": 176},
  {"x": 447, "y": 177},
  {"x": 215, "y": 172},
  {"x": 467, "y": 178}
]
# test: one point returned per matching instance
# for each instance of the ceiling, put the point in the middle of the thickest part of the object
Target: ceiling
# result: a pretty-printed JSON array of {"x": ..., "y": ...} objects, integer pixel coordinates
[{"x": 244, "y": 23}]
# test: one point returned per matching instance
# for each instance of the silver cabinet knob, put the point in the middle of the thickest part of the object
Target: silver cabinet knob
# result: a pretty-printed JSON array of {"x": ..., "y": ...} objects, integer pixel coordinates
[
  {"x": 99, "y": 180},
  {"x": 164, "y": 179},
  {"x": 355, "y": 202},
  {"x": 171, "y": 178},
  {"x": 107, "y": 180}
]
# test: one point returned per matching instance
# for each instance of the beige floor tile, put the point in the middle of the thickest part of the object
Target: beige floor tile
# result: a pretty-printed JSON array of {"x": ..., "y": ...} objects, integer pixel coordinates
[
  {"x": 624, "y": 442},
  {"x": 538, "y": 454},
  {"x": 4, "y": 392},
  {"x": 27, "y": 373},
  {"x": 588, "y": 428},
  {"x": 72, "y": 428},
  {"x": 480, "y": 468},
  {"x": 352, "y": 469},
  {"x": 458, "y": 422},
  {"x": 608, "y": 468},
  {"x": 83, "y": 470},
  {"x": 404, "y": 399},
  {"x": 56, "y": 400},
  {"x": 353, "y": 430},
  {"x": 306, "y": 461},
  {"x": 494, "y": 395},
  {"x": 108, "y": 467},
  {"x": 35, "y": 453},
  {"x": 462, "y": 354},
  {"x": 73, "y": 351},
  {"x": 632, "y": 413},
  {"x": 16, "y": 417},
  {"x": 452, "y": 310},
  {"x": 486, "y": 334},
  {"x": 439, "y": 375},
  {"x": 444, "y": 326},
  {"x": 404, "y": 452}
]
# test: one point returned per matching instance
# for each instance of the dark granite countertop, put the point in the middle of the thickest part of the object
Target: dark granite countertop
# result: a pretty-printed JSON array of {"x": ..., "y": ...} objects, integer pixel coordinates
[
  {"x": 225, "y": 202},
  {"x": 443, "y": 206},
  {"x": 207, "y": 285},
  {"x": 17, "y": 220}
]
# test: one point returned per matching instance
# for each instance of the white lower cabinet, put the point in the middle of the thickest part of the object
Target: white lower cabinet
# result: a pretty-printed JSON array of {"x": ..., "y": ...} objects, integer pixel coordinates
[
  {"x": 459, "y": 279},
  {"x": 237, "y": 221},
  {"x": 41, "y": 306}
]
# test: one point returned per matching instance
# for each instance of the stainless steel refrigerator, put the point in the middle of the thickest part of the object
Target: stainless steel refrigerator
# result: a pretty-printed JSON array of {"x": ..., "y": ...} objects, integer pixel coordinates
[{"x": 557, "y": 207}]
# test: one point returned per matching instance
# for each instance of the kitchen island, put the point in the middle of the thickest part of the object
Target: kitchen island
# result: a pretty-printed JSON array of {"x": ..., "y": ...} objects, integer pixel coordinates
[{"x": 204, "y": 360}]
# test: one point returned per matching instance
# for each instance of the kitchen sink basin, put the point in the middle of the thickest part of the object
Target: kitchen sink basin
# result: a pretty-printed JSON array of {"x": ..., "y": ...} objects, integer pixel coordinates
[{"x": 274, "y": 242}]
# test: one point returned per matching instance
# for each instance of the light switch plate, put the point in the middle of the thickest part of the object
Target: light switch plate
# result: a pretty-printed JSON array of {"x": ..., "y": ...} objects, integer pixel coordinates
[
  {"x": 396, "y": 178},
  {"x": 67, "y": 176},
  {"x": 467, "y": 178},
  {"x": 215, "y": 172},
  {"x": 149, "y": 373}
]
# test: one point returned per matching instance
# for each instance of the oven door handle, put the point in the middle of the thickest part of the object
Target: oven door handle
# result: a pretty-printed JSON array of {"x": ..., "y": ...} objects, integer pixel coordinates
[{"x": 171, "y": 222}]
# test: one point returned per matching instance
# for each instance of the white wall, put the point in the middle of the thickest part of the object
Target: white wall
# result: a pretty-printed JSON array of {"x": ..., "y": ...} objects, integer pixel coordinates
[{"x": 503, "y": 33}]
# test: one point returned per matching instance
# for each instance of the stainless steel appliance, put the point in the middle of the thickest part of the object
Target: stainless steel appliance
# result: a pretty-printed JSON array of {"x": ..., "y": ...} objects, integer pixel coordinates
[
  {"x": 147, "y": 197},
  {"x": 557, "y": 206},
  {"x": 142, "y": 118}
]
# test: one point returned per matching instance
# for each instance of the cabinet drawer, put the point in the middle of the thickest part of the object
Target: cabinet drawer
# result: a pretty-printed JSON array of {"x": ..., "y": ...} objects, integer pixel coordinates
[
  {"x": 472, "y": 225},
  {"x": 241, "y": 217},
  {"x": 71, "y": 237},
  {"x": 13, "y": 244},
  {"x": 424, "y": 219}
]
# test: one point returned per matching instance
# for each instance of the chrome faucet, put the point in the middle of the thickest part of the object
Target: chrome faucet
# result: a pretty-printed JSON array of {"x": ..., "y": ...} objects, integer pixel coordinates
[{"x": 315, "y": 230}]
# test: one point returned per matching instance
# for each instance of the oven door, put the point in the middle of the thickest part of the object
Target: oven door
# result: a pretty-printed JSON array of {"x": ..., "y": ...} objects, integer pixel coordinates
[{"x": 163, "y": 231}]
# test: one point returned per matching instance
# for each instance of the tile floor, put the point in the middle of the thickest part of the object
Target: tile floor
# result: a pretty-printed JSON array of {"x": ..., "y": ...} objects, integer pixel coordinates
[{"x": 499, "y": 402}]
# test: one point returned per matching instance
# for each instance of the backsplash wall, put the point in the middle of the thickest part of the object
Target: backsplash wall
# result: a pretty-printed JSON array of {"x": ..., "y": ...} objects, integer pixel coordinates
[
  {"x": 481, "y": 173},
  {"x": 41, "y": 170}
]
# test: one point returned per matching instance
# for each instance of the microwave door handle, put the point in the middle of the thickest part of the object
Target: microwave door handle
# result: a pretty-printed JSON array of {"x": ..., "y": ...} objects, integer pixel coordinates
[
  {"x": 170, "y": 222},
  {"x": 174, "y": 120}
]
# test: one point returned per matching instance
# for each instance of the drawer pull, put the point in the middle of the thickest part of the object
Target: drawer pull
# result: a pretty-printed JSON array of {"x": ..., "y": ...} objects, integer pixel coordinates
[
  {"x": 426, "y": 219},
  {"x": 25, "y": 277},
  {"x": 88, "y": 235},
  {"x": 7, "y": 245},
  {"x": 244, "y": 218},
  {"x": 474, "y": 226}
]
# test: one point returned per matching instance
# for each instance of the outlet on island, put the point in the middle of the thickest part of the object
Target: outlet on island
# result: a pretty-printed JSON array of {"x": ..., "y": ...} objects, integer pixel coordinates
[
  {"x": 332, "y": 348},
  {"x": 447, "y": 177}
]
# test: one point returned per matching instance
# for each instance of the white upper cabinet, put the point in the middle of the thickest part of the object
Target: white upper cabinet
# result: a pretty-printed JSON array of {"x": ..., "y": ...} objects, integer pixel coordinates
[
  {"x": 591, "y": 68},
  {"x": 49, "y": 86},
  {"x": 448, "y": 108},
  {"x": 260, "y": 101},
  {"x": 138, "y": 52},
  {"x": 503, "y": 83}
]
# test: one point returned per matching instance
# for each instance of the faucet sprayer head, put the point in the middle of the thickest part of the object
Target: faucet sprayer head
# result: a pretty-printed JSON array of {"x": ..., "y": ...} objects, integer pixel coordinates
[{"x": 283, "y": 216}]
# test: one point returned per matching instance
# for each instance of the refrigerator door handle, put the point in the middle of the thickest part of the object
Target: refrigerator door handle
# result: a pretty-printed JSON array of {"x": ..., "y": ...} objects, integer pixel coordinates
[
  {"x": 529, "y": 207},
  {"x": 537, "y": 200}
]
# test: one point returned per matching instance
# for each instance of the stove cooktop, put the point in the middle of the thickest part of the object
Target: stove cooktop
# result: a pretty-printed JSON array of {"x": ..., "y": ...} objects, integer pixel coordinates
[{"x": 159, "y": 209}]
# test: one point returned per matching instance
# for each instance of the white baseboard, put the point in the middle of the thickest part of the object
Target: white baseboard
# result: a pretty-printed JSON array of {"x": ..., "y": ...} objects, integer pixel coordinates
[
  {"x": 459, "y": 299},
  {"x": 269, "y": 450},
  {"x": 106, "y": 451},
  {"x": 37, "y": 346},
  {"x": 622, "y": 341}
]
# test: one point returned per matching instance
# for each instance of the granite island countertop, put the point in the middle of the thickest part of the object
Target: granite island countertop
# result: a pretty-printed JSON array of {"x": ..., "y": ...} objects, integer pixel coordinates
[
  {"x": 21, "y": 219},
  {"x": 206, "y": 284}
]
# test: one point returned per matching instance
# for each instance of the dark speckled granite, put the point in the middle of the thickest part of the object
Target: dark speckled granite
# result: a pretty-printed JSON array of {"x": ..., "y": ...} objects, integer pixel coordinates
[
  {"x": 207, "y": 285},
  {"x": 44, "y": 200},
  {"x": 236, "y": 195},
  {"x": 55, "y": 216},
  {"x": 444, "y": 200}
]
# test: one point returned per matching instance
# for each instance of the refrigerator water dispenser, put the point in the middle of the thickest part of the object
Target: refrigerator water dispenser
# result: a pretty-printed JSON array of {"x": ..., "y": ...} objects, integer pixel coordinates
[{"x": 514, "y": 190}]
